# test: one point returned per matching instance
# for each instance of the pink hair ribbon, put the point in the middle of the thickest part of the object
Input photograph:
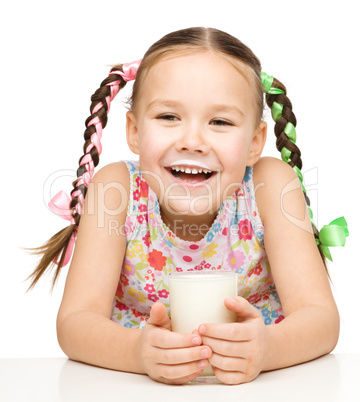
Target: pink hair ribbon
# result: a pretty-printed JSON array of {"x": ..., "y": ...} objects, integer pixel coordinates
[
  {"x": 129, "y": 70},
  {"x": 128, "y": 74},
  {"x": 60, "y": 205}
]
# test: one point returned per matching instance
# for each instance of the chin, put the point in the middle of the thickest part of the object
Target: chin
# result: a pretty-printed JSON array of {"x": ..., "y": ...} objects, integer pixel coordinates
[{"x": 196, "y": 207}]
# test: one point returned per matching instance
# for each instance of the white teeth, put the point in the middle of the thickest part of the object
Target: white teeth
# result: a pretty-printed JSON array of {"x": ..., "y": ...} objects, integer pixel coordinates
[{"x": 189, "y": 170}]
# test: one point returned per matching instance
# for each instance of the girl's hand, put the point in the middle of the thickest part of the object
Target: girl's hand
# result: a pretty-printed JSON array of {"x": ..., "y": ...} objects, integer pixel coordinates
[
  {"x": 238, "y": 348},
  {"x": 170, "y": 357}
]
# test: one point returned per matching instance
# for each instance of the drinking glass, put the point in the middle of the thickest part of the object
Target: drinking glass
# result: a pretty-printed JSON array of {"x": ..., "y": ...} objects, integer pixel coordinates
[{"x": 197, "y": 297}]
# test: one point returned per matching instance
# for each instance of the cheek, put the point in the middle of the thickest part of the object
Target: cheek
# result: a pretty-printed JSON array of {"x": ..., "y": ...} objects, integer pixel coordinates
[
  {"x": 234, "y": 166},
  {"x": 234, "y": 153},
  {"x": 151, "y": 146}
]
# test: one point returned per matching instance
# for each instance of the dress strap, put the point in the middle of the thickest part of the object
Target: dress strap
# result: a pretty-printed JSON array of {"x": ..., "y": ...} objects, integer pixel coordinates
[
  {"x": 137, "y": 208},
  {"x": 251, "y": 205}
]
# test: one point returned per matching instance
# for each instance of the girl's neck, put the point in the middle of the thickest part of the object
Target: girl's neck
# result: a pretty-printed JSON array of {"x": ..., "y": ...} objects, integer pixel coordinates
[{"x": 189, "y": 228}]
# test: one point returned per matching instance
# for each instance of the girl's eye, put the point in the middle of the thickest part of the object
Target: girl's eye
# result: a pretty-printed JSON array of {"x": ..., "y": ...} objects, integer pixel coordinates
[
  {"x": 221, "y": 122},
  {"x": 168, "y": 117}
]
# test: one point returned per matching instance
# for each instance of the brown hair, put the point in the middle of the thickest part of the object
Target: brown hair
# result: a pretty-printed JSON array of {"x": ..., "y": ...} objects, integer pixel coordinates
[
  {"x": 171, "y": 45},
  {"x": 284, "y": 143},
  {"x": 203, "y": 39}
]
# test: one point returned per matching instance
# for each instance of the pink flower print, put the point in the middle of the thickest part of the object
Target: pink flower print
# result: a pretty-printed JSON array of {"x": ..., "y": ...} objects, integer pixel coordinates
[
  {"x": 144, "y": 189},
  {"x": 256, "y": 270},
  {"x": 245, "y": 230},
  {"x": 136, "y": 195},
  {"x": 163, "y": 246},
  {"x": 140, "y": 218},
  {"x": 119, "y": 291},
  {"x": 146, "y": 239},
  {"x": 129, "y": 268},
  {"x": 157, "y": 260},
  {"x": 225, "y": 231},
  {"x": 120, "y": 306},
  {"x": 253, "y": 299},
  {"x": 236, "y": 259},
  {"x": 279, "y": 319},
  {"x": 153, "y": 297},
  {"x": 138, "y": 181},
  {"x": 149, "y": 288},
  {"x": 136, "y": 313},
  {"x": 163, "y": 293},
  {"x": 142, "y": 208},
  {"x": 124, "y": 279},
  {"x": 179, "y": 269}
]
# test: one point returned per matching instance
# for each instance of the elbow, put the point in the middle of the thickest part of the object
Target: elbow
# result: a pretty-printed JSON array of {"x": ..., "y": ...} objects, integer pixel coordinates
[
  {"x": 332, "y": 331},
  {"x": 63, "y": 332}
]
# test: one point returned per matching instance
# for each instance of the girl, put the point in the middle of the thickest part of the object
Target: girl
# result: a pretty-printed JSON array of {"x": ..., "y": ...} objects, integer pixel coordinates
[{"x": 200, "y": 197}]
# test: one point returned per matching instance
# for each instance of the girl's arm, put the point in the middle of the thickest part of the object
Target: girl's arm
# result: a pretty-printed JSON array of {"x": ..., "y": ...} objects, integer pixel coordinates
[
  {"x": 85, "y": 331},
  {"x": 311, "y": 325}
]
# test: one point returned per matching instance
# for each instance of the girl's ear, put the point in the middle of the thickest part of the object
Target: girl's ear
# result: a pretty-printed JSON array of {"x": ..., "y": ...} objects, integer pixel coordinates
[
  {"x": 132, "y": 132},
  {"x": 257, "y": 144}
]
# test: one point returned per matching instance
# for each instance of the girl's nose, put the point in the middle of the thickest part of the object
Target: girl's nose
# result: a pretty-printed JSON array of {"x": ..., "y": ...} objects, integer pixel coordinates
[{"x": 192, "y": 142}]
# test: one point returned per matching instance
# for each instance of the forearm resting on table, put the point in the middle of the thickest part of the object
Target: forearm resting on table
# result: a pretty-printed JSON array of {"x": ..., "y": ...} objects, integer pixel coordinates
[
  {"x": 305, "y": 334},
  {"x": 94, "y": 339}
]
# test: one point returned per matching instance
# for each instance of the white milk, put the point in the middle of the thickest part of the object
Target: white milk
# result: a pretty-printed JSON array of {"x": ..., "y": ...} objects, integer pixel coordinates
[{"x": 198, "y": 297}]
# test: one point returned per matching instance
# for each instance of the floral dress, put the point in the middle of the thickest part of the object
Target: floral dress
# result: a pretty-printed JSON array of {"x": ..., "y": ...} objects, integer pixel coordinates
[{"x": 235, "y": 241}]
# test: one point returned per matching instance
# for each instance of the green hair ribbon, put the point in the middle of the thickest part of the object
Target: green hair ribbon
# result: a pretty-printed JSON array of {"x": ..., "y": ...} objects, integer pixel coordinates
[
  {"x": 333, "y": 235},
  {"x": 267, "y": 81}
]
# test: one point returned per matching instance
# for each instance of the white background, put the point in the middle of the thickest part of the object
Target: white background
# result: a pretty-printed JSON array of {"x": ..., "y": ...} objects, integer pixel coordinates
[{"x": 54, "y": 55}]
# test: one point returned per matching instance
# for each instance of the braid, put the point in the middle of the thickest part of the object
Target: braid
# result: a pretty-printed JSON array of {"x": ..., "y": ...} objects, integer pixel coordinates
[
  {"x": 58, "y": 249},
  {"x": 100, "y": 106},
  {"x": 285, "y": 131}
]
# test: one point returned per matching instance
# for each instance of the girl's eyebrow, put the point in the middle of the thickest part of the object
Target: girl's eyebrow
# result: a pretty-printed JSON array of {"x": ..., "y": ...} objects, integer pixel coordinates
[
  {"x": 215, "y": 108},
  {"x": 161, "y": 102},
  {"x": 228, "y": 109}
]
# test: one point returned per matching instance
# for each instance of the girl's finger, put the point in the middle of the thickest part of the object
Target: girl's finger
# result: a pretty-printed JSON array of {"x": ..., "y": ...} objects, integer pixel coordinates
[
  {"x": 158, "y": 316},
  {"x": 179, "y": 374},
  {"x": 239, "y": 332},
  {"x": 165, "y": 339},
  {"x": 226, "y": 363},
  {"x": 232, "y": 377},
  {"x": 183, "y": 356},
  {"x": 227, "y": 348},
  {"x": 242, "y": 308}
]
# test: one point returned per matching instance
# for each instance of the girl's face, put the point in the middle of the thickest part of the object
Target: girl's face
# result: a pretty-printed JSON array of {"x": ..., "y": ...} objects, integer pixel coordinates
[{"x": 195, "y": 131}]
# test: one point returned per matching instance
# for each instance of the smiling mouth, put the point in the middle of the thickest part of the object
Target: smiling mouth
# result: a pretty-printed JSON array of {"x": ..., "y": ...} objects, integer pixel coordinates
[{"x": 190, "y": 175}]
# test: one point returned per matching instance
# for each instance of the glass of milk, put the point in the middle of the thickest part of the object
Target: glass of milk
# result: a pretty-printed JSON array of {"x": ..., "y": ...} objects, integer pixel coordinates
[{"x": 197, "y": 297}]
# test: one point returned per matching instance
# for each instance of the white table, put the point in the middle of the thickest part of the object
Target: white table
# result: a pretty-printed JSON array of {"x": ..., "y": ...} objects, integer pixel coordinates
[{"x": 334, "y": 377}]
